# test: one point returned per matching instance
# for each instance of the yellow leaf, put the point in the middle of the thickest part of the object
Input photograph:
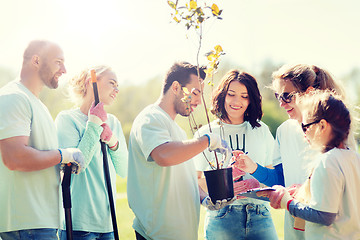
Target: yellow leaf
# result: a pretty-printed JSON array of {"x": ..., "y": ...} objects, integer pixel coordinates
[
  {"x": 176, "y": 19},
  {"x": 218, "y": 49},
  {"x": 171, "y": 4},
  {"x": 186, "y": 91},
  {"x": 210, "y": 57},
  {"x": 215, "y": 9},
  {"x": 193, "y": 4}
]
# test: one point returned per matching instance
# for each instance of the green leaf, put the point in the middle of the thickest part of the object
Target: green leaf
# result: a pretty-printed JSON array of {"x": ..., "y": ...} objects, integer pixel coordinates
[{"x": 200, "y": 19}]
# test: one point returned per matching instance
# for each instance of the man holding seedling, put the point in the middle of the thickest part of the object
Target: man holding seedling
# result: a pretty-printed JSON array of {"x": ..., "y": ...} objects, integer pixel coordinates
[
  {"x": 162, "y": 186},
  {"x": 29, "y": 165}
]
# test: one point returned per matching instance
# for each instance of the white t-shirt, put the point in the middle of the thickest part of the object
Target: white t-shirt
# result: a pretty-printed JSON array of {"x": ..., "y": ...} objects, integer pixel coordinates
[
  {"x": 28, "y": 200},
  {"x": 165, "y": 200},
  {"x": 334, "y": 187},
  {"x": 259, "y": 143},
  {"x": 292, "y": 150}
]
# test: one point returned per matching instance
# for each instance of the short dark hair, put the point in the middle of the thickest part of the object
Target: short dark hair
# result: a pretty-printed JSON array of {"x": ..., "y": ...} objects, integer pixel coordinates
[
  {"x": 181, "y": 72},
  {"x": 253, "y": 113}
]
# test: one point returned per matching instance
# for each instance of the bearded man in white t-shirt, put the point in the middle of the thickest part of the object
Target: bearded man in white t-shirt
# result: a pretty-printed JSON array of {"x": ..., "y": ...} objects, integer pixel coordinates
[
  {"x": 162, "y": 188},
  {"x": 29, "y": 172}
]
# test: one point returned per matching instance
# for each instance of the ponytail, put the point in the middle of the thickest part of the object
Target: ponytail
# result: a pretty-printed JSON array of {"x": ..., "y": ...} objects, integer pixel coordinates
[{"x": 325, "y": 81}]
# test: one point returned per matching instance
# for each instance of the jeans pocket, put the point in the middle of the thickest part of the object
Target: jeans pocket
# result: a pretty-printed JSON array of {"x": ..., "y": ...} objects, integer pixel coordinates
[
  {"x": 221, "y": 213},
  {"x": 264, "y": 211}
]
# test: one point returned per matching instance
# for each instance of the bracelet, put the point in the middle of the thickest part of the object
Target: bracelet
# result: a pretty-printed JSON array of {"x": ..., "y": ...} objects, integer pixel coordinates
[
  {"x": 115, "y": 145},
  {"x": 60, "y": 155},
  {"x": 208, "y": 138},
  {"x": 288, "y": 203}
]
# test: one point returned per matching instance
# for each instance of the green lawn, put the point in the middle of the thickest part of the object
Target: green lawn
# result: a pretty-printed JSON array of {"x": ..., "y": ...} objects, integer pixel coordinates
[{"x": 125, "y": 216}]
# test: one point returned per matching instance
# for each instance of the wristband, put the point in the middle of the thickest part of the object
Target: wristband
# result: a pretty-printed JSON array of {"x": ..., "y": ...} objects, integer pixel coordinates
[
  {"x": 60, "y": 155},
  {"x": 208, "y": 138},
  {"x": 115, "y": 146},
  {"x": 288, "y": 203}
]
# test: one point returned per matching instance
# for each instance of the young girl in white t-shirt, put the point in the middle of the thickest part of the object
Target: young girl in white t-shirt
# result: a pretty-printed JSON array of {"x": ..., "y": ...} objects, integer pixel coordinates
[{"x": 330, "y": 197}]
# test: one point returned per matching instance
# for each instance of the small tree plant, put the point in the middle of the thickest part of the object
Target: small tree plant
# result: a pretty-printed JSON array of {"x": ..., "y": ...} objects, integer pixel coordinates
[{"x": 193, "y": 15}]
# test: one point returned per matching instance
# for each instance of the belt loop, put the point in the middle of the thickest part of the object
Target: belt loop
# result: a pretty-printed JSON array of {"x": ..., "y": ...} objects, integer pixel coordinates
[{"x": 257, "y": 209}]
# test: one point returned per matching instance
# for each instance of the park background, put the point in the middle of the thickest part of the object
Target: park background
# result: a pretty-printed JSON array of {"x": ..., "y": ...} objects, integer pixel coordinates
[{"x": 140, "y": 42}]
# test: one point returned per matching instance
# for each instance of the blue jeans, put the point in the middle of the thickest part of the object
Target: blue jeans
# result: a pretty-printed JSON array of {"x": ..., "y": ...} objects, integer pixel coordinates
[
  {"x": 80, "y": 235},
  {"x": 30, "y": 234},
  {"x": 247, "y": 221}
]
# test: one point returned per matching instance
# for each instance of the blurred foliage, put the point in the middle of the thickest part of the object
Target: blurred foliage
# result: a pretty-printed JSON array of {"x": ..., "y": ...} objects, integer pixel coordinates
[{"x": 133, "y": 98}]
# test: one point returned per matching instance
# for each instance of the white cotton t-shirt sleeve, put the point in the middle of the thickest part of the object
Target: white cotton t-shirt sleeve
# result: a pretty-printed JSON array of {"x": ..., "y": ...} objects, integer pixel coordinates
[
  {"x": 32, "y": 198},
  {"x": 334, "y": 187}
]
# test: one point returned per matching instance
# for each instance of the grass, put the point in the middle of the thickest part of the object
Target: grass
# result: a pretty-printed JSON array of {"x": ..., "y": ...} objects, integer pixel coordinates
[{"x": 125, "y": 216}]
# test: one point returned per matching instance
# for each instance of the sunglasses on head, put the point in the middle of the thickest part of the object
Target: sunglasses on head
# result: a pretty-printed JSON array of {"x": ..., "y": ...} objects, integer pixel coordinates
[
  {"x": 306, "y": 126},
  {"x": 286, "y": 97}
]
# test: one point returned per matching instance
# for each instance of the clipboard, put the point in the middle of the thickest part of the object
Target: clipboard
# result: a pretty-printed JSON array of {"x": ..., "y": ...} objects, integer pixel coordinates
[{"x": 252, "y": 193}]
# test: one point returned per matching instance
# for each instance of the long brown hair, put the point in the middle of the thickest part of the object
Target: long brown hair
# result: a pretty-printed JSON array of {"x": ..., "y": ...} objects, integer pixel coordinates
[
  {"x": 303, "y": 76},
  {"x": 253, "y": 112}
]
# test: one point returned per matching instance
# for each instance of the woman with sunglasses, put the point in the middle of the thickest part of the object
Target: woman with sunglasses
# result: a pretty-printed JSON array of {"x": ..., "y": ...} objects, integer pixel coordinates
[
  {"x": 291, "y": 148},
  {"x": 330, "y": 196},
  {"x": 237, "y": 104}
]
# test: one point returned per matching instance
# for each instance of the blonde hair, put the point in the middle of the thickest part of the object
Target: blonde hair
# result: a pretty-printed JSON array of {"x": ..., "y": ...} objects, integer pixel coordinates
[{"x": 77, "y": 86}]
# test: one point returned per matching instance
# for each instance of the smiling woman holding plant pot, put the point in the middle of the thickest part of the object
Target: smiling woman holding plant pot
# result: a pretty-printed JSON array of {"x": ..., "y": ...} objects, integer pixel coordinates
[{"x": 237, "y": 104}]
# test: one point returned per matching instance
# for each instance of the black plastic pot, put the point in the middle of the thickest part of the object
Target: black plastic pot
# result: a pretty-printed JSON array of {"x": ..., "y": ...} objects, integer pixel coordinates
[{"x": 220, "y": 184}]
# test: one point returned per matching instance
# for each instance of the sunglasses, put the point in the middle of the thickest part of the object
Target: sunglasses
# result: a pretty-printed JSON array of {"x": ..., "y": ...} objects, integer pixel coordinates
[
  {"x": 306, "y": 126},
  {"x": 285, "y": 97}
]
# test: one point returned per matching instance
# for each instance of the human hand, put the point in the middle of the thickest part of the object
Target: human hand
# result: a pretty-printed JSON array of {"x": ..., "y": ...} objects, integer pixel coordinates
[
  {"x": 73, "y": 156},
  {"x": 97, "y": 114},
  {"x": 206, "y": 202},
  {"x": 108, "y": 137},
  {"x": 278, "y": 198},
  {"x": 244, "y": 186},
  {"x": 237, "y": 173},
  {"x": 218, "y": 145},
  {"x": 293, "y": 189},
  {"x": 243, "y": 162}
]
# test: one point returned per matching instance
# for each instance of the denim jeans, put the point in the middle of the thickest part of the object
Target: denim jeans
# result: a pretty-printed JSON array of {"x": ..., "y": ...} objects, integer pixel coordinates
[
  {"x": 80, "y": 235},
  {"x": 30, "y": 234},
  {"x": 247, "y": 221}
]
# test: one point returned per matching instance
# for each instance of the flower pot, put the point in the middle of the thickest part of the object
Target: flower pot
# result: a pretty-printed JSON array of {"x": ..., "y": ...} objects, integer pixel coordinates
[{"x": 220, "y": 184}]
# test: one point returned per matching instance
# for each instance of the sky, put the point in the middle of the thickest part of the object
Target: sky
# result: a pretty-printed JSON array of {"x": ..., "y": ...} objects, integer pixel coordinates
[{"x": 139, "y": 41}]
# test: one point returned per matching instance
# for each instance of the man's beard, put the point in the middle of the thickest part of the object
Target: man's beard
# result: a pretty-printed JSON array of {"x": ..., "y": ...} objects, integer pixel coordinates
[
  {"x": 48, "y": 80},
  {"x": 181, "y": 107}
]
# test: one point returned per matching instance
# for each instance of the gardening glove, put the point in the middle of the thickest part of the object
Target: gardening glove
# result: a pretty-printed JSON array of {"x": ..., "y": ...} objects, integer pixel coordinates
[
  {"x": 218, "y": 145},
  {"x": 279, "y": 198},
  {"x": 206, "y": 202},
  {"x": 97, "y": 114},
  {"x": 73, "y": 156},
  {"x": 109, "y": 138},
  {"x": 244, "y": 186}
]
